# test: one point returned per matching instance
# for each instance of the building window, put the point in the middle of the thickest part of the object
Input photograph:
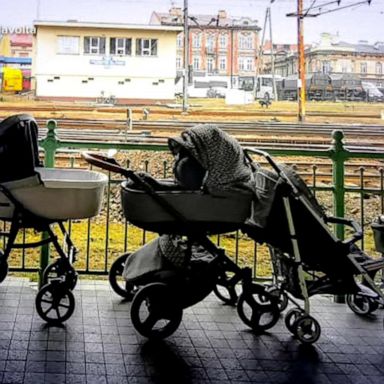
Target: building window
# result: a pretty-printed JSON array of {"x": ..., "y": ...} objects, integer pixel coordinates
[
  {"x": 379, "y": 69},
  {"x": 94, "y": 45},
  {"x": 246, "y": 64},
  {"x": 245, "y": 42},
  {"x": 178, "y": 62},
  {"x": 223, "y": 41},
  {"x": 180, "y": 40},
  {"x": 249, "y": 64},
  {"x": 210, "y": 65},
  {"x": 120, "y": 46},
  {"x": 68, "y": 45},
  {"x": 363, "y": 67},
  {"x": 326, "y": 67},
  {"x": 211, "y": 42},
  {"x": 223, "y": 63},
  {"x": 196, "y": 63},
  {"x": 146, "y": 47},
  {"x": 196, "y": 40}
]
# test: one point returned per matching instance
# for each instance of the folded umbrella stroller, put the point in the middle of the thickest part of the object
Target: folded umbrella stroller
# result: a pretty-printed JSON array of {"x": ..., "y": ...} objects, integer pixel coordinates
[
  {"x": 32, "y": 196},
  {"x": 308, "y": 258}
]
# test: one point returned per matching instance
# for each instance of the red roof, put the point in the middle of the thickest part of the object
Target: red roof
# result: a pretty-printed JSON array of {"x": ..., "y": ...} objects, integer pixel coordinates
[{"x": 21, "y": 39}]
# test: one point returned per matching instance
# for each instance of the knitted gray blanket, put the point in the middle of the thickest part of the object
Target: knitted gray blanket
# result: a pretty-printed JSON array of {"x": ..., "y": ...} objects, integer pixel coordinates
[{"x": 219, "y": 154}]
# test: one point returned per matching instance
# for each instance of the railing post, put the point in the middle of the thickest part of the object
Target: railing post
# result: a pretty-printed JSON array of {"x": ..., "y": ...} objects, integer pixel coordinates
[
  {"x": 50, "y": 144},
  {"x": 338, "y": 155}
]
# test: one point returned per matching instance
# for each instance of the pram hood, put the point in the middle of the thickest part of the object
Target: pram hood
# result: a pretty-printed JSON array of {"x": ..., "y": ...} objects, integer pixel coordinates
[
  {"x": 19, "y": 151},
  {"x": 218, "y": 153}
]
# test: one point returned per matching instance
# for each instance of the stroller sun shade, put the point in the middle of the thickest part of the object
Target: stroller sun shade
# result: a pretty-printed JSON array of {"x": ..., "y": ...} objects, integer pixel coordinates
[
  {"x": 219, "y": 154},
  {"x": 19, "y": 152}
]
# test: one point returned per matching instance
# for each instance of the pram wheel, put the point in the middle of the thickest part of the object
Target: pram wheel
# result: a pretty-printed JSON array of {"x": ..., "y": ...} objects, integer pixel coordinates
[
  {"x": 258, "y": 309},
  {"x": 225, "y": 288},
  {"x": 55, "y": 303},
  {"x": 118, "y": 283},
  {"x": 307, "y": 329},
  {"x": 361, "y": 305},
  {"x": 3, "y": 270},
  {"x": 57, "y": 269},
  {"x": 154, "y": 312},
  {"x": 281, "y": 296},
  {"x": 291, "y": 317}
]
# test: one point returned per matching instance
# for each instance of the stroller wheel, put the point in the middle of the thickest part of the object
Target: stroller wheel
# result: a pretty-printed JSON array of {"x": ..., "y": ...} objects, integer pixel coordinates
[
  {"x": 3, "y": 270},
  {"x": 361, "y": 305},
  {"x": 258, "y": 309},
  {"x": 57, "y": 269},
  {"x": 154, "y": 312},
  {"x": 291, "y": 317},
  {"x": 282, "y": 297},
  {"x": 118, "y": 283},
  {"x": 224, "y": 289},
  {"x": 307, "y": 329},
  {"x": 55, "y": 303}
]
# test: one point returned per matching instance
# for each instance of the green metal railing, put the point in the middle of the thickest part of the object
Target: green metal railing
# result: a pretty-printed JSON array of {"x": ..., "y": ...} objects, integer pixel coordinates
[{"x": 337, "y": 152}]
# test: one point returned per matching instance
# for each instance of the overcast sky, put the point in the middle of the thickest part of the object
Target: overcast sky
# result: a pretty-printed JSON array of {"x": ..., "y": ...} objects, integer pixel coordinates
[{"x": 357, "y": 23}]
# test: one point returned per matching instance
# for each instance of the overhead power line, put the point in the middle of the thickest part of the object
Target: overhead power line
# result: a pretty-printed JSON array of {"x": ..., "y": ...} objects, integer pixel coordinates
[{"x": 328, "y": 7}]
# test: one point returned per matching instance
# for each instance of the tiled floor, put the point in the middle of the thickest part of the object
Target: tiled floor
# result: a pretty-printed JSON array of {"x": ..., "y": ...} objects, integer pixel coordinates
[{"x": 99, "y": 345}]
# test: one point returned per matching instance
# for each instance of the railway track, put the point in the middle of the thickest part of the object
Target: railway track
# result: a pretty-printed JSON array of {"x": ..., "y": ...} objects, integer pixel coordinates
[
  {"x": 301, "y": 137},
  {"x": 369, "y": 138},
  {"x": 164, "y": 110}
]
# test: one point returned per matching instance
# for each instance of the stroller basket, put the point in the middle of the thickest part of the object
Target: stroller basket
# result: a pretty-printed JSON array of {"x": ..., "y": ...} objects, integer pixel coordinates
[
  {"x": 205, "y": 212},
  {"x": 56, "y": 194}
]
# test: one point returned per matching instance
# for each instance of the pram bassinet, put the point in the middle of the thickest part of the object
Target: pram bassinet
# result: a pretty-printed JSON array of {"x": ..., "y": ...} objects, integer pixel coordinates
[
  {"x": 218, "y": 213},
  {"x": 36, "y": 197},
  {"x": 78, "y": 191}
]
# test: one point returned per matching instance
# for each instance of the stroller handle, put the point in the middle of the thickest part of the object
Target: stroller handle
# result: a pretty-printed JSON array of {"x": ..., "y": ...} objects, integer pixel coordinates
[
  {"x": 107, "y": 163},
  {"x": 266, "y": 155},
  {"x": 358, "y": 235}
]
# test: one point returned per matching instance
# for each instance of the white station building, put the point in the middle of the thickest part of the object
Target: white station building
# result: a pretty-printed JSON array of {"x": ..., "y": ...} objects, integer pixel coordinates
[{"x": 81, "y": 60}]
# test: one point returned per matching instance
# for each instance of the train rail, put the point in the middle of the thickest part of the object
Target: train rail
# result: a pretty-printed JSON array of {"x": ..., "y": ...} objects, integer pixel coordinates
[
  {"x": 369, "y": 138},
  {"x": 300, "y": 137}
]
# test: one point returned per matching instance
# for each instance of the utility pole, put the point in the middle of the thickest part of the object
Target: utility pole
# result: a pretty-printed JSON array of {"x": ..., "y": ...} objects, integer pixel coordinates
[
  {"x": 260, "y": 56},
  {"x": 272, "y": 57},
  {"x": 268, "y": 18},
  {"x": 301, "y": 61},
  {"x": 186, "y": 58}
]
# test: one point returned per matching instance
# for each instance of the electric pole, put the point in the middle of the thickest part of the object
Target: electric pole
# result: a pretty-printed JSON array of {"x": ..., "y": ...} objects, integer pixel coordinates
[
  {"x": 186, "y": 58},
  {"x": 301, "y": 61},
  {"x": 272, "y": 58},
  {"x": 260, "y": 56}
]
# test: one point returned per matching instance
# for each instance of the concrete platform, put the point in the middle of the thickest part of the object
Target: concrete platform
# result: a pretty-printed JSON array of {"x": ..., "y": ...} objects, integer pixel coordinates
[{"x": 99, "y": 345}]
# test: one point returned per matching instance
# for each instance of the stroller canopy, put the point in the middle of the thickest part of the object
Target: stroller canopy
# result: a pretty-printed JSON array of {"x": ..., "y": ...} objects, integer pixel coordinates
[
  {"x": 19, "y": 151},
  {"x": 219, "y": 154}
]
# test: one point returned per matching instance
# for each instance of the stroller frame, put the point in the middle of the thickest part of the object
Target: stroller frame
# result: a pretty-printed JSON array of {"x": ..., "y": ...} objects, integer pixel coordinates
[
  {"x": 59, "y": 278},
  {"x": 298, "y": 320},
  {"x": 264, "y": 312}
]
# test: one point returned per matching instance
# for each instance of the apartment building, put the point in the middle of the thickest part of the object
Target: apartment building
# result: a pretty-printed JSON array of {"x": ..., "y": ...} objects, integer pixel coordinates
[{"x": 219, "y": 45}]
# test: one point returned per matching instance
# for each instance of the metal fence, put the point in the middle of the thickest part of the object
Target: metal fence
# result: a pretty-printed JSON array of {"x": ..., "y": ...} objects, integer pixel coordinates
[{"x": 102, "y": 239}]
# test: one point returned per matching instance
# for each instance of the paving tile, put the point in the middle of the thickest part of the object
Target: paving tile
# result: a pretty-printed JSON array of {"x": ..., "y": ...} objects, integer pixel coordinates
[{"x": 99, "y": 345}]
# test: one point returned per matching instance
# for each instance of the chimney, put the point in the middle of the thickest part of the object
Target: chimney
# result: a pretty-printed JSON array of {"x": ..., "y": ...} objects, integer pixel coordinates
[
  {"x": 175, "y": 11},
  {"x": 222, "y": 14}
]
